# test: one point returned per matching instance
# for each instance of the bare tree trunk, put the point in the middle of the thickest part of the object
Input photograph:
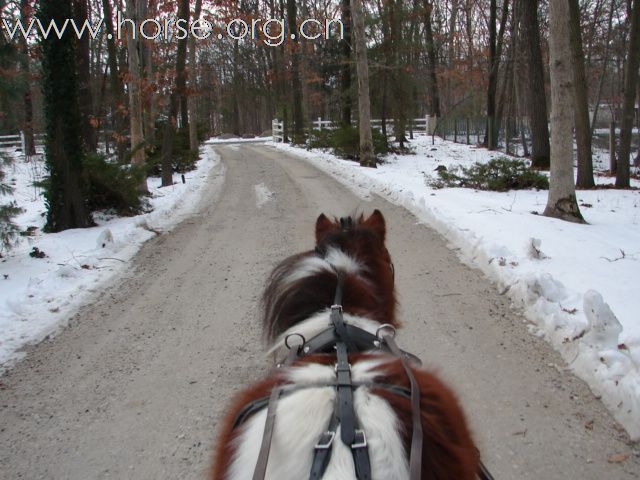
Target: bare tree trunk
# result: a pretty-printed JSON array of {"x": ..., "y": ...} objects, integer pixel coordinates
[
  {"x": 193, "y": 116},
  {"x": 345, "y": 83},
  {"x": 170, "y": 126},
  {"x": 138, "y": 156},
  {"x": 27, "y": 125},
  {"x": 561, "y": 202},
  {"x": 367, "y": 157},
  {"x": 117, "y": 90},
  {"x": 583, "y": 130},
  {"x": 298, "y": 119},
  {"x": 630, "y": 86},
  {"x": 85, "y": 97},
  {"x": 534, "y": 86},
  {"x": 495, "y": 52},
  {"x": 431, "y": 55}
]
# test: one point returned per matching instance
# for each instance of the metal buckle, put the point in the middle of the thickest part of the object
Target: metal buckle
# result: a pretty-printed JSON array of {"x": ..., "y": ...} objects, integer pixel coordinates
[
  {"x": 326, "y": 444},
  {"x": 362, "y": 443}
]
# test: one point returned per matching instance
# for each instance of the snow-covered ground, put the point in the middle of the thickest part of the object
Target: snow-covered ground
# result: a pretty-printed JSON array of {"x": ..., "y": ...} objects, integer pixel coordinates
[
  {"x": 577, "y": 284},
  {"x": 39, "y": 295}
]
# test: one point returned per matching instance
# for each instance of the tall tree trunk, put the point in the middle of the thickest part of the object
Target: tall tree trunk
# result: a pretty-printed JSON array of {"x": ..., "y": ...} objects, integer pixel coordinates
[
  {"x": 345, "y": 84},
  {"x": 178, "y": 90},
  {"x": 83, "y": 68},
  {"x": 494, "y": 60},
  {"x": 434, "y": 93},
  {"x": 583, "y": 127},
  {"x": 193, "y": 84},
  {"x": 367, "y": 157},
  {"x": 64, "y": 195},
  {"x": 27, "y": 125},
  {"x": 138, "y": 156},
  {"x": 399, "y": 79},
  {"x": 534, "y": 86},
  {"x": 495, "y": 52},
  {"x": 561, "y": 202},
  {"x": 118, "y": 110},
  {"x": 296, "y": 88},
  {"x": 630, "y": 86}
]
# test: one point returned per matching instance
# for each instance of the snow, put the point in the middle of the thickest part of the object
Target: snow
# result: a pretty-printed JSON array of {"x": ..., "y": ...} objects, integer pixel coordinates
[
  {"x": 39, "y": 295},
  {"x": 263, "y": 195},
  {"x": 576, "y": 284}
]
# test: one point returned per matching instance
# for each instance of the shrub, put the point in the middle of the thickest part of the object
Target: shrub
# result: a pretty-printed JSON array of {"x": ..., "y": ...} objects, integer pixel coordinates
[
  {"x": 184, "y": 160},
  {"x": 113, "y": 186},
  {"x": 500, "y": 175},
  {"x": 345, "y": 141},
  {"x": 8, "y": 229}
]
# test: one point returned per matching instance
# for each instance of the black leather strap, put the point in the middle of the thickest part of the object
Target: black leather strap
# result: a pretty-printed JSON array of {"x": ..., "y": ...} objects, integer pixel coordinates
[
  {"x": 360, "y": 452},
  {"x": 322, "y": 451}
]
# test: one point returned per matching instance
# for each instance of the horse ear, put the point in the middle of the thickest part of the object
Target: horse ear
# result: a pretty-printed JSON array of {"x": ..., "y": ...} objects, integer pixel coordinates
[
  {"x": 376, "y": 223},
  {"x": 323, "y": 226}
]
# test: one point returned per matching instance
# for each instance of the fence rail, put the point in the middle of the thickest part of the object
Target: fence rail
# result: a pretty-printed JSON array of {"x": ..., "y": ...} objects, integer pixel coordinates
[
  {"x": 423, "y": 124},
  {"x": 12, "y": 143}
]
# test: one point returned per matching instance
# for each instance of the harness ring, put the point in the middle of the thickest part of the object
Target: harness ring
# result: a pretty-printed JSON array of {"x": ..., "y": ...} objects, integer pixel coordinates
[
  {"x": 286, "y": 340},
  {"x": 382, "y": 328}
]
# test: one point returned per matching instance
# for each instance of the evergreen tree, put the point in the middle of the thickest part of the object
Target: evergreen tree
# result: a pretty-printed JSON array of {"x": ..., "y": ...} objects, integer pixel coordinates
[{"x": 8, "y": 230}]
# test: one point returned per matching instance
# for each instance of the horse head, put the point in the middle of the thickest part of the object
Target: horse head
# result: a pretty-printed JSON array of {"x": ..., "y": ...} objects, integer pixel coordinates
[{"x": 302, "y": 288}]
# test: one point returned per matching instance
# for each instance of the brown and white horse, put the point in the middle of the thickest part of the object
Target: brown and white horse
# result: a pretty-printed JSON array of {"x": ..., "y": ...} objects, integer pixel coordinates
[{"x": 298, "y": 300}]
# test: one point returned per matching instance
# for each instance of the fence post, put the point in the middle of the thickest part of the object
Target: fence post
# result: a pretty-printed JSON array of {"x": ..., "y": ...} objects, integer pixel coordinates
[
  {"x": 613, "y": 164},
  {"x": 23, "y": 144},
  {"x": 468, "y": 139},
  {"x": 319, "y": 123},
  {"x": 455, "y": 130}
]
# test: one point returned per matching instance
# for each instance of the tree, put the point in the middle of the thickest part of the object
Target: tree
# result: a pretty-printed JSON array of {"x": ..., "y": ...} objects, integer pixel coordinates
[
  {"x": 534, "y": 86},
  {"x": 434, "y": 93},
  {"x": 64, "y": 194},
  {"x": 583, "y": 127},
  {"x": 345, "y": 80},
  {"x": 630, "y": 85},
  {"x": 296, "y": 88},
  {"x": 83, "y": 68},
  {"x": 138, "y": 156},
  {"x": 561, "y": 202},
  {"x": 8, "y": 230},
  {"x": 495, "y": 52},
  {"x": 193, "y": 117},
  {"x": 367, "y": 158},
  {"x": 177, "y": 92},
  {"x": 27, "y": 125}
]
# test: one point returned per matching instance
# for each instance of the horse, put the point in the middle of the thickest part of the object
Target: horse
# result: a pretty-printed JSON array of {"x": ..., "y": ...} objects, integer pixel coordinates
[{"x": 343, "y": 406}]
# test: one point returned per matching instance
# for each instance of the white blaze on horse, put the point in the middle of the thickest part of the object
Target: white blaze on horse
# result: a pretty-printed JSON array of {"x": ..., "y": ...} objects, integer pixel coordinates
[{"x": 347, "y": 403}]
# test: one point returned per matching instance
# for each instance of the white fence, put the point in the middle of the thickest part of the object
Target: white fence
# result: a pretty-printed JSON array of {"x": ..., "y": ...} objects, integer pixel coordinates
[
  {"x": 423, "y": 124},
  {"x": 11, "y": 143}
]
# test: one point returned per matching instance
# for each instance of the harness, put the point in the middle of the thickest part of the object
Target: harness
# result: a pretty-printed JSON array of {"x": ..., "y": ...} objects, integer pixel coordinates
[{"x": 345, "y": 339}]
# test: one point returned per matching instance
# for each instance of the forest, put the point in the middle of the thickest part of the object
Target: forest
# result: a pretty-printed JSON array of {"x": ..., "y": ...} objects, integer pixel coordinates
[{"x": 145, "y": 81}]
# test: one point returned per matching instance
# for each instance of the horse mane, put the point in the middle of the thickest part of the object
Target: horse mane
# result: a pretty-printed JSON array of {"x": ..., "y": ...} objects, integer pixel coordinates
[{"x": 304, "y": 284}]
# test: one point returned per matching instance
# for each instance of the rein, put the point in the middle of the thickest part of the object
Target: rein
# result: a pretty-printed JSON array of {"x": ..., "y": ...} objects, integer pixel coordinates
[{"x": 344, "y": 338}]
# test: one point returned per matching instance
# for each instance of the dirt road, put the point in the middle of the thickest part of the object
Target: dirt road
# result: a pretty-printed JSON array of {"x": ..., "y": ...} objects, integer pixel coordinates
[{"x": 135, "y": 386}]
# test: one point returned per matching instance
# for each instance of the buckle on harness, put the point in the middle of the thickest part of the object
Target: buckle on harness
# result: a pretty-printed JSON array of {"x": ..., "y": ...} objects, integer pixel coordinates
[
  {"x": 326, "y": 440},
  {"x": 360, "y": 440}
]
